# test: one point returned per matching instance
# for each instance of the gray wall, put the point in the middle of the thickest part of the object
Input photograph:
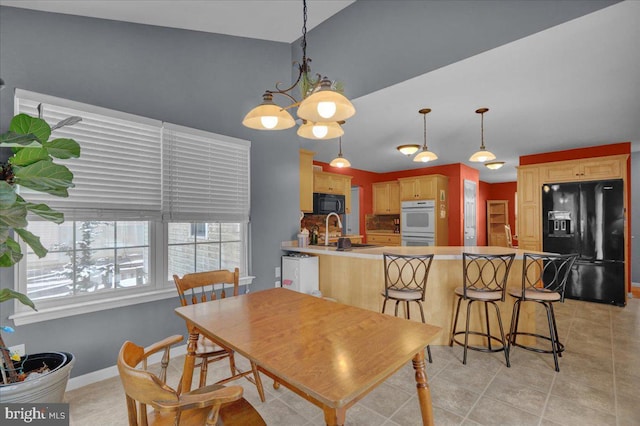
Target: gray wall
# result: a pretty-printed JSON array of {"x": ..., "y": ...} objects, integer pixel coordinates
[{"x": 194, "y": 79}]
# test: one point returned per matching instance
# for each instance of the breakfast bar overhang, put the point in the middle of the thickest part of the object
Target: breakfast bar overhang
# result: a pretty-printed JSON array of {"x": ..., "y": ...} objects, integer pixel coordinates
[{"x": 356, "y": 278}]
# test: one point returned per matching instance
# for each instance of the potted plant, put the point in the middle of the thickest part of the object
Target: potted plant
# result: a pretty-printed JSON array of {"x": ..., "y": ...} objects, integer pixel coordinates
[{"x": 31, "y": 165}]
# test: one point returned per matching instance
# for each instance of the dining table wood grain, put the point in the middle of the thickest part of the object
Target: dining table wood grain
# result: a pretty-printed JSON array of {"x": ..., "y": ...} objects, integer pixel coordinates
[{"x": 329, "y": 353}]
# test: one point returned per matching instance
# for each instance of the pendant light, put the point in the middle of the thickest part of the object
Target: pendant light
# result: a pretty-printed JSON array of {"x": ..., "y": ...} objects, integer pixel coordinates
[
  {"x": 425, "y": 155},
  {"x": 340, "y": 162},
  {"x": 408, "y": 150},
  {"x": 482, "y": 155}
]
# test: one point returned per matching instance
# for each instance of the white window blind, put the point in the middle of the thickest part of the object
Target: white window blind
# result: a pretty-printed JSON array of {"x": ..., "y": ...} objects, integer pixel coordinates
[
  {"x": 118, "y": 174},
  {"x": 205, "y": 176}
]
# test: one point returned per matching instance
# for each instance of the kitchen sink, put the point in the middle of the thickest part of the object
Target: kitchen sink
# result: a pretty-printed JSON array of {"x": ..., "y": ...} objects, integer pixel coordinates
[{"x": 356, "y": 245}]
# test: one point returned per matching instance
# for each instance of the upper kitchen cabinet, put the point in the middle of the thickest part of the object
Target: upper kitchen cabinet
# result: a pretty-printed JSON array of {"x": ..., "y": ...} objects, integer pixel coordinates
[
  {"x": 333, "y": 183},
  {"x": 306, "y": 181},
  {"x": 421, "y": 187},
  {"x": 581, "y": 170},
  {"x": 386, "y": 197}
]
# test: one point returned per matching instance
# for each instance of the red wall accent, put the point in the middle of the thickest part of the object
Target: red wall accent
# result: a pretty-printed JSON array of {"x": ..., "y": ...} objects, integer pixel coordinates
[
  {"x": 484, "y": 194},
  {"x": 578, "y": 153}
]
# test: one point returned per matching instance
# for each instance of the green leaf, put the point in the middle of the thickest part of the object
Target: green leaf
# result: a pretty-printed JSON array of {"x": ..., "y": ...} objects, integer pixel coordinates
[
  {"x": 46, "y": 212},
  {"x": 14, "y": 216},
  {"x": 63, "y": 148},
  {"x": 12, "y": 139},
  {"x": 33, "y": 241},
  {"x": 45, "y": 176},
  {"x": 69, "y": 121},
  {"x": 27, "y": 156},
  {"x": 8, "y": 195},
  {"x": 25, "y": 124},
  {"x": 4, "y": 233},
  {"x": 7, "y": 293},
  {"x": 10, "y": 253}
]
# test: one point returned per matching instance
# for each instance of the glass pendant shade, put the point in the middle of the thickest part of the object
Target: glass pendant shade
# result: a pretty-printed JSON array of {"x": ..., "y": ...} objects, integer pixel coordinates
[
  {"x": 494, "y": 165},
  {"x": 482, "y": 156},
  {"x": 268, "y": 116},
  {"x": 425, "y": 156},
  {"x": 325, "y": 105},
  {"x": 408, "y": 150},
  {"x": 340, "y": 162},
  {"x": 320, "y": 131}
]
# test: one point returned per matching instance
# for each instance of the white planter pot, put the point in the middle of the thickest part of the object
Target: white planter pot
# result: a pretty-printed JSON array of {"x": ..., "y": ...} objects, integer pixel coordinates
[{"x": 49, "y": 387}]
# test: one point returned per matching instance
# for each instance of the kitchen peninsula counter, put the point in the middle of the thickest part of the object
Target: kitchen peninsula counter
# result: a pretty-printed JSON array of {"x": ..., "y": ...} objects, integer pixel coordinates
[{"x": 356, "y": 278}]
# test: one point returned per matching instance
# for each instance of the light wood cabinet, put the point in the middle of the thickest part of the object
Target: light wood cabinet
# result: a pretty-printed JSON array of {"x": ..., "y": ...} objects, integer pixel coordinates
[
  {"x": 333, "y": 183},
  {"x": 529, "y": 208},
  {"x": 386, "y": 197},
  {"x": 306, "y": 181},
  {"x": 497, "y": 218},
  {"x": 418, "y": 188},
  {"x": 581, "y": 170},
  {"x": 384, "y": 239}
]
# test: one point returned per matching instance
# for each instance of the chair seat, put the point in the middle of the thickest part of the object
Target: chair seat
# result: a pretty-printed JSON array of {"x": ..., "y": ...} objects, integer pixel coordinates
[
  {"x": 479, "y": 295},
  {"x": 534, "y": 295},
  {"x": 239, "y": 412},
  {"x": 404, "y": 294}
]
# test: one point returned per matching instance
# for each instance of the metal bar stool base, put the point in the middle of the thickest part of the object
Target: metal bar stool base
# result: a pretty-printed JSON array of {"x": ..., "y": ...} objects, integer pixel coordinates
[
  {"x": 480, "y": 348},
  {"x": 532, "y": 348}
]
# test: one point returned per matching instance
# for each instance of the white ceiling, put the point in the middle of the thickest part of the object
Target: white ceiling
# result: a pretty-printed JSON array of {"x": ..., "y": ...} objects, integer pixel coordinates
[{"x": 573, "y": 85}]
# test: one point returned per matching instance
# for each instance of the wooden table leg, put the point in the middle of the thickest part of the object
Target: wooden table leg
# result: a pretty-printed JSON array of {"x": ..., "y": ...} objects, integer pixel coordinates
[
  {"x": 189, "y": 361},
  {"x": 335, "y": 416},
  {"x": 424, "y": 393}
]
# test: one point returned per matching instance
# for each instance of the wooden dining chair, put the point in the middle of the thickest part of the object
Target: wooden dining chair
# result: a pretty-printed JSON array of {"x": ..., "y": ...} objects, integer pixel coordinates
[
  {"x": 202, "y": 287},
  {"x": 210, "y": 405},
  {"x": 507, "y": 233}
]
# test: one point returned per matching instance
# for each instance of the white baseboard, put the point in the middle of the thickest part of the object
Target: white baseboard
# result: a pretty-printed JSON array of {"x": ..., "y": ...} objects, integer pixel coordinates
[{"x": 109, "y": 372}]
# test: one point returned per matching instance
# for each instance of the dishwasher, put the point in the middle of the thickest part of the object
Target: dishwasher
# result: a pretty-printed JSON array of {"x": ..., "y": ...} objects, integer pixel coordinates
[{"x": 300, "y": 273}]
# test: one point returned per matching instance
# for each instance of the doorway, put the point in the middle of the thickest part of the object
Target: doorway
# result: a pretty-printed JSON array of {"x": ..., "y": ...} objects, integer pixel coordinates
[
  {"x": 470, "y": 213},
  {"x": 352, "y": 225}
]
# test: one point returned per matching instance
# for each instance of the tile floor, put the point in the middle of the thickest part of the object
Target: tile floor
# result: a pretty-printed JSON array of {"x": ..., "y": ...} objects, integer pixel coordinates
[{"x": 598, "y": 383}]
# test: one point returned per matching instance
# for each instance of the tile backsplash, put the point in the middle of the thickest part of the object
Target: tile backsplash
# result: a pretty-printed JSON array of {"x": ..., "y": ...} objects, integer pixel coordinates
[{"x": 382, "y": 222}]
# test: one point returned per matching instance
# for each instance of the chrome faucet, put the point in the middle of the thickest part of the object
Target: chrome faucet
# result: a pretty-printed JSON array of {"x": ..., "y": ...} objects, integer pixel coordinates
[{"x": 326, "y": 227}]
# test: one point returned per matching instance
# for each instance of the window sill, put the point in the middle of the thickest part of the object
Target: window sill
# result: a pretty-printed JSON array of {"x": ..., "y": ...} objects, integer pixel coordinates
[{"x": 46, "y": 314}]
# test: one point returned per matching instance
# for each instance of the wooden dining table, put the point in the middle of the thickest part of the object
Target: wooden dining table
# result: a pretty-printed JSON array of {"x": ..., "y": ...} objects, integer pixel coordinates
[{"x": 329, "y": 353}]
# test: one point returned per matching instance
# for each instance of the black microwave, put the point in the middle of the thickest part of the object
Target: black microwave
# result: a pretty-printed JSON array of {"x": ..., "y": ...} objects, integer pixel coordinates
[{"x": 328, "y": 203}]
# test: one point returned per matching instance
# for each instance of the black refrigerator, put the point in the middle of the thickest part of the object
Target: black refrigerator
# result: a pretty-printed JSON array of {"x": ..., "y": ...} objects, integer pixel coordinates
[{"x": 587, "y": 218}]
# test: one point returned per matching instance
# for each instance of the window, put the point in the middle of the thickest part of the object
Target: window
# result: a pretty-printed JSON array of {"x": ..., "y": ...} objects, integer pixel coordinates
[
  {"x": 151, "y": 200},
  {"x": 213, "y": 246},
  {"x": 88, "y": 257}
]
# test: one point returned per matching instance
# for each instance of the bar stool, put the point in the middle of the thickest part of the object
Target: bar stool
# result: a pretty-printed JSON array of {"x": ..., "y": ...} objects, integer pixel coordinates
[
  {"x": 405, "y": 280},
  {"x": 484, "y": 280},
  {"x": 544, "y": 278}
]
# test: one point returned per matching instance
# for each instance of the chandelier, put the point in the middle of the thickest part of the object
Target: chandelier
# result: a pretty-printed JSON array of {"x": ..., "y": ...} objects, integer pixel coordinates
[{"x": 321, "y": 107}]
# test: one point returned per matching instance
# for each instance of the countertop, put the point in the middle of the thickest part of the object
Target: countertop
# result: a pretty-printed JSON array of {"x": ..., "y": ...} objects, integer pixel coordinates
[
  {"x": 381, "y": 231},
  {"x": 441, "y": 253}
]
